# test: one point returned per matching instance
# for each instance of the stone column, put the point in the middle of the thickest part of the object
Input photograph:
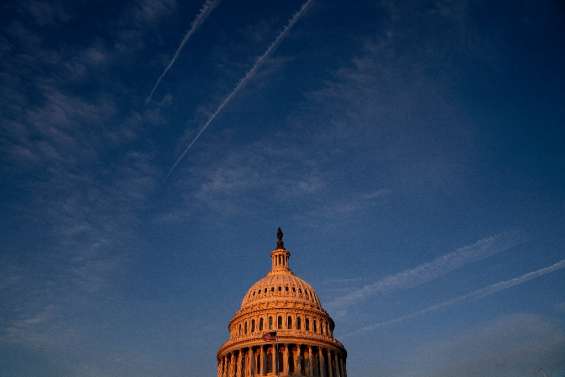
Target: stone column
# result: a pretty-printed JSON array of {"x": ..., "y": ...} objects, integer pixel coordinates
[
  {"x": 310, "y": 370},
  {"x": 251, "y": 362},
  {"x": 262, "y": 361},
  {"x": 330, "y": 368},
  {"x": 297, "y": 360},
  {"x": 274, "y": 361},
  {"x": 219, "y": 374},
  {"x": 285, "y": 360},
  {"x": 342, "y": 366},
  {"x": 232, "y": 365},
  {"x": 322, "y": 362}
]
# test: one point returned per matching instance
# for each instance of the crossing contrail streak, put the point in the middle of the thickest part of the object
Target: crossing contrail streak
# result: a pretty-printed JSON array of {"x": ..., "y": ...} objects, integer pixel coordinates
[
  {"x": 475, "y": 295},
  {"x": 205, "y": 11},
  {"x": 248, "y": 76},
  {"x": 424, "y": 273}
]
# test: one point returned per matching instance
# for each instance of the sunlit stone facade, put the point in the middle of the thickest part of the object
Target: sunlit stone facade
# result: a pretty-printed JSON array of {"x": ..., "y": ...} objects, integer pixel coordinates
[{"x": 281, "y": 329}]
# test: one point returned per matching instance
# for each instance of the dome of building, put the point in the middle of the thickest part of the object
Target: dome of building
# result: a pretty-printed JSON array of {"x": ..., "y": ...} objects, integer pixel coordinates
[
  {"x": 281, "y": 329},
  {"x": 281, "y": 286}
]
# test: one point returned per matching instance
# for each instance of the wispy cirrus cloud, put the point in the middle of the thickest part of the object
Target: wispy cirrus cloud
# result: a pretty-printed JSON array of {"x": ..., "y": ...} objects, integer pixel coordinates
[
  {"x": 243, "y": 81},
  {"x": 57, "y": 134},
  {"x": 149, "y": 11},
  {"x": 472, "y": 296},
  {"x": 200, "y": 18},
  {"x": 430, "y": 271}
]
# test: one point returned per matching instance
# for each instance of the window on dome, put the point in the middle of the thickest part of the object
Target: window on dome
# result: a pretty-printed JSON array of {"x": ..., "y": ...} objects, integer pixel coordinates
[
  {"x": 270, "y": 323},
  {"x": 289, "y": 322},
  {"x": 315, "y": 327},
  {"x": 298, "y": 324},
  {"x": 280, "y": 289},
  {"x": 265, "y": 290},
  {"x": 300, "y": 290},
  {"x": 286, "y": 288},
  {"x": 245, "y": 328},
  {"x": 307, "y": 324},
  {"x": 293, "y": 289},
  {"x": 279, "y": 322},
  {"x": 272, "y": 289},
  {"x": 239, "y": 331},
  {"x": 260, "y": 324},
  {"x": 252, "y": 326}
]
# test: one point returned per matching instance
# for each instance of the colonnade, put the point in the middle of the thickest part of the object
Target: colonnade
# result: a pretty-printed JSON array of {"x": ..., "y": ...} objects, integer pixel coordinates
[{"x": 282, "y": 359}]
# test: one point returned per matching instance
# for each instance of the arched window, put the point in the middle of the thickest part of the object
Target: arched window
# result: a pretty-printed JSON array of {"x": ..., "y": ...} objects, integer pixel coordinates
[
  {"x": 286, "y": 288},
  {"x": 280, "y": 289},
  {"x": 239, "y": 331},
  {"x": 298, "y": 324},
  {"x": 289, "y": 322},
  {"x": 260, "y": 324},
  {"x": 279, "y": 322},
  {"x": 300, "y": 290},
  {"x": 252, "y": 326},
  {"x": 245, "y": 331},
  {"x": 307, "y": 324},
  {"x": 270, "y": 323}
]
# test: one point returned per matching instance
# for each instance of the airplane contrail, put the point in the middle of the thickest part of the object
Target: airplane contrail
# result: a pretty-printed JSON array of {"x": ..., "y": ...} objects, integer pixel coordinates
[
  {"x": 205, "y": 11},
  {"x": 248, "y": 76},
  {"x": 475, "y": 295},
  {"x": 429, "y": 271}
]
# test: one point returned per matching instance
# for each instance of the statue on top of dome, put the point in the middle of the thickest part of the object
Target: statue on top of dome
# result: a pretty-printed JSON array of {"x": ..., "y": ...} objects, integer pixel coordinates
[{"x": 280, "y": 235}]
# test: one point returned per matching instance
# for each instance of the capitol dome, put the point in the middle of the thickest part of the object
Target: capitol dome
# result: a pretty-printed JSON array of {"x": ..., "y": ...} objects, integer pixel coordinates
[
  {"x": 281, "y": 329},
  {"x": 281, "y": 286}
]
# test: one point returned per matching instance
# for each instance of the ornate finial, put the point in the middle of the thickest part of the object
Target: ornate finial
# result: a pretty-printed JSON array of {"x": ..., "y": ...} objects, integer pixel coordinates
[{"x": 280, "y": 235}]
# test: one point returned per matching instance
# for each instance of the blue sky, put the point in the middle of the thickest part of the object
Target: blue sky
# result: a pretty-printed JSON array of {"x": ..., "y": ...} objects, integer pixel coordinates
[{"x": 412, "y": 152}]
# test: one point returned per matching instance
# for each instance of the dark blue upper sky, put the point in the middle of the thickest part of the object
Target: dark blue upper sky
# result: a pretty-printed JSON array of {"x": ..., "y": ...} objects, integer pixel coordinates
[{"x": 412, "y": 151}]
